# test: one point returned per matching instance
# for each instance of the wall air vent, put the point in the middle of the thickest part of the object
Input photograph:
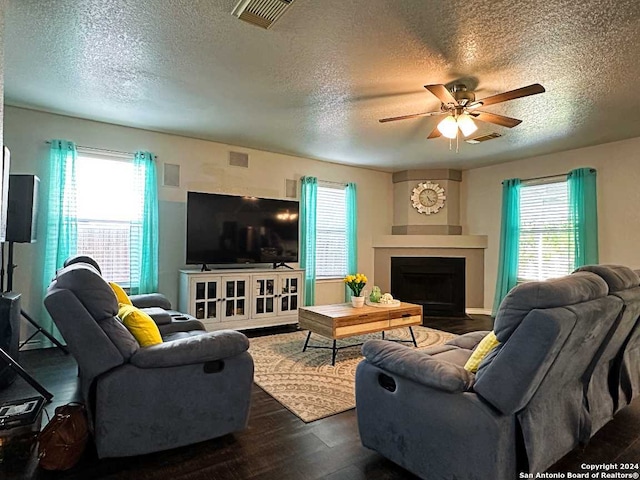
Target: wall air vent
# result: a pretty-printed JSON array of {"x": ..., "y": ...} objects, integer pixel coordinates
[
  {"x": 483, "y": 138},
  {"x": 291, "y": 188},
  {"x": 171, "y": 175},
  {"x": 262, "y": 13},
  {"x": 239, "y": 159}
]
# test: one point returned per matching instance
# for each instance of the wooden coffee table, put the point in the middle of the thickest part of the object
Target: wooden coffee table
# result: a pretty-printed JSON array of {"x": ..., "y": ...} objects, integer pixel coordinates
[{"x": 342, "y": 320}]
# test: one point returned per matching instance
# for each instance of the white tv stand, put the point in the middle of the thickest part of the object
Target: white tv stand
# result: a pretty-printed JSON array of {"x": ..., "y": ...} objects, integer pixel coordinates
[{"x": 241, "y": 299}]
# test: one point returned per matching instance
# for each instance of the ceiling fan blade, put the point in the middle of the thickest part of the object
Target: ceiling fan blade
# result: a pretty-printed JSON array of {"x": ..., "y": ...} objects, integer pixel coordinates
[
  {"x": 435, "y": 133},
  {"x": 442, "y": 93},
  {"x": 414, "y": 115},
  {"x": 510, "y": 95},
  {"x": 495, "y": 118}
]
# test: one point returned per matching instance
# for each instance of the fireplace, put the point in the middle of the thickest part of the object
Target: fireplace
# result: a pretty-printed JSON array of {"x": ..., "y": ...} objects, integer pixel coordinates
[{"x": 436, "y": 283}]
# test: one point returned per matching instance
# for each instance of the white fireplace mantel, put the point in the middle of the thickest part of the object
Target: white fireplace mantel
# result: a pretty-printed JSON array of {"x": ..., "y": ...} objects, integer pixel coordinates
[{"x": 430, "y": 241}]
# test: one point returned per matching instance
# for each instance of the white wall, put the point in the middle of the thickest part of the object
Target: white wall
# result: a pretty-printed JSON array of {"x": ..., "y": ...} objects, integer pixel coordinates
[
  {"x": 204, "y": 167},
  {"x": 618, "y": 166}
]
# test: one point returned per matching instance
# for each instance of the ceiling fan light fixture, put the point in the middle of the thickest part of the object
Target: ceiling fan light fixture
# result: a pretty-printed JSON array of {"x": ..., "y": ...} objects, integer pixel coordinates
[
  {"x": 467, "y": 125},
  {"x": 448, "y": 127}
]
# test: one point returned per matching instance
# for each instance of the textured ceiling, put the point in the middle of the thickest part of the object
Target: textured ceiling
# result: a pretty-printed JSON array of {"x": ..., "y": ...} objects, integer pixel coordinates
[{"x": 317, "y": 82}]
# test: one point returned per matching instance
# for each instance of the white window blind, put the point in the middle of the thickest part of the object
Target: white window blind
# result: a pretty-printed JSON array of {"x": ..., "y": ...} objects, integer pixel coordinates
[
  {"x": 109, "y": 208},
  {"x": 546, "y": 232},
  {"x": 331, "y": 232}
]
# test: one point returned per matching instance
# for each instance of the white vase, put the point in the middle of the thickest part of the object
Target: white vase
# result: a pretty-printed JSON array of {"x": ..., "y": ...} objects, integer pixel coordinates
[{"x": 357, "y": 302}]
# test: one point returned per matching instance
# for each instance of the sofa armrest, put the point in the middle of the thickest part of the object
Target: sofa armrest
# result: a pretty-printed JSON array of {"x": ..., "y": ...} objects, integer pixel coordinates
[
  {"x": 181, "y": 326},
  {"x": 417, "y": 366},
  {"x": 158, "y": 315},
  {"x": 198, "y": 349},
  {"x": 147, "y": 300},
  {"x": 468, "y": 341}
]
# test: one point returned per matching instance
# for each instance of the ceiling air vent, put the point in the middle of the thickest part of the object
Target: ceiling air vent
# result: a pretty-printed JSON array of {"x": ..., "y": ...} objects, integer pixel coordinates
[
  {"x": 483, "y": 138},
  {"x": 262, "y": 13}
]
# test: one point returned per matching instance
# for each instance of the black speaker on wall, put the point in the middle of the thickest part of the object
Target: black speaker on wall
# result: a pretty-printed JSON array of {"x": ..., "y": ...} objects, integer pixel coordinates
[{"x": 22, "y": 215}]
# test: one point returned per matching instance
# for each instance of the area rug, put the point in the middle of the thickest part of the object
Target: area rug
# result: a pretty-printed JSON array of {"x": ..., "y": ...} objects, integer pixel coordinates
[{"x": 305, "y": 382}]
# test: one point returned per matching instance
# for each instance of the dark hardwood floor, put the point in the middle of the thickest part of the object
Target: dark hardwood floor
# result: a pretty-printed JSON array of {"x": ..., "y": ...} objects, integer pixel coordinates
[
  {"x": 277, "y": 445},
  {"x": 459, "y": 325}
]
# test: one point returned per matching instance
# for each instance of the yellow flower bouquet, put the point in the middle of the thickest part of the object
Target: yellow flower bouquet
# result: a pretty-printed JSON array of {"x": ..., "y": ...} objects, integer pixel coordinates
[{"x": 356, "y": 283}]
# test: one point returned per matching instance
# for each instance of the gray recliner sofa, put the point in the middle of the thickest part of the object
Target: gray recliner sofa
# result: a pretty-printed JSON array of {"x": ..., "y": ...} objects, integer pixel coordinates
[
  {"x": 615, "y": 380},
  {"x": 525, "y": 408},
  {"x": 171, "y": 323},
  {"x": 146, "y": 399}
]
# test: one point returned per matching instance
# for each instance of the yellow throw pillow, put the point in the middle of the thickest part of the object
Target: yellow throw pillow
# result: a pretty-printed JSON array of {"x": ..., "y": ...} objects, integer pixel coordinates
[
  {"x": 488, "y": 343},
  {"x": 121, "y": 295},
  {"x": 141, "y": 325}
]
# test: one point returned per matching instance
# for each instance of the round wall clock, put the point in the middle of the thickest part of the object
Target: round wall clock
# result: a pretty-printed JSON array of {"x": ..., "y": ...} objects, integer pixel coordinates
[{"x": 428, "y": 198}]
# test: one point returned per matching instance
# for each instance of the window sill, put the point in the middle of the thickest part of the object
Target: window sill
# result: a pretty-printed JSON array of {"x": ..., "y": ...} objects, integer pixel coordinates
[{"x": 329, "y": 280}]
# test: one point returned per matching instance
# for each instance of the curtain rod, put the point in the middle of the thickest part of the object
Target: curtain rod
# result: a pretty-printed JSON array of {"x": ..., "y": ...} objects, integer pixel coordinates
[
  {"x": 549, "y": 176},
  {"x": 327, "y": 182},
  {"x": 118, "y": 152}
]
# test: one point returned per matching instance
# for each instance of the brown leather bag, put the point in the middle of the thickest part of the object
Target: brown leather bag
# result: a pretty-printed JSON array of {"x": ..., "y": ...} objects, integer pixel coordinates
[{"x": 63, "y": 440}]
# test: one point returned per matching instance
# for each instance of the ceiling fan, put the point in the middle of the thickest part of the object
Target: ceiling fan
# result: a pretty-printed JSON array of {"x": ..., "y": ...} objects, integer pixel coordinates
[{"x": 460, "y": 107}]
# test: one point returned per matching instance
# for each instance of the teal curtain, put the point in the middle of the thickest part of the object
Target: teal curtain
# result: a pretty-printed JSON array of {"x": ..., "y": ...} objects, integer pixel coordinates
[
  {"x": 143, "y": 250},
  {"x": 352, "y": 233},
  {"x": 583, "y": 206},
  {"x": 509, "y": 241},
  {"x": 308, "y": 211},
  {"x": 61, "y": 235}
]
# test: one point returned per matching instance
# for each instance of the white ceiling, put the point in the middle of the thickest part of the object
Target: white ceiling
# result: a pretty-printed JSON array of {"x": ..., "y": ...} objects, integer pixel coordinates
[{"x": 317, "y": 82}]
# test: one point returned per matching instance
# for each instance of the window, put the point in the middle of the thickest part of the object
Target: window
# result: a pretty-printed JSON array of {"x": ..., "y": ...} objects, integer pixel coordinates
[
  {"x": 546, "y": 232},
  {"x": 109, "y": 208},
  {"x": 331, "y": 232}
]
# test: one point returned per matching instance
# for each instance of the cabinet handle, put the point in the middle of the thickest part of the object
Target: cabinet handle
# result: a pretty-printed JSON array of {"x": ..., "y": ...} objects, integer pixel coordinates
[{"x": 404, "y": 315}]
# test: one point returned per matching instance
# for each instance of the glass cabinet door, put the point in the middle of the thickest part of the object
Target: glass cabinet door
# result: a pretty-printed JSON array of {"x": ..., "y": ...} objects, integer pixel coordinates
[
  {"x": 264, "y": 296},
  {"x": 235, "y": 299},
  {"x": 289, "y": 292},
  {"x": 200, "y": 300},
  {"x": 206, "y": 298}
]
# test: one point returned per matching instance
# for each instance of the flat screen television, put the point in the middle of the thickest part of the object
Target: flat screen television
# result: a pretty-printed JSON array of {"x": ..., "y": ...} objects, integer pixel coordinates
[{"x": 230, "y": 229}]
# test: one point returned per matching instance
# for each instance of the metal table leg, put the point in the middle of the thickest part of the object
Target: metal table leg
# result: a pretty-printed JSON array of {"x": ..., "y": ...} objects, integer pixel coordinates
[
  {"x": 334, "y": 347},
  {"x": 334, "y": 351},
  {"x": 306, "y": 342},
  {"x": 413, "y": 337}
]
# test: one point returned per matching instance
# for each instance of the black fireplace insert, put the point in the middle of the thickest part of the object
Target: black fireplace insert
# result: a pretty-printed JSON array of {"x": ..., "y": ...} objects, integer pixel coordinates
[{"x": 436, "y": 283}]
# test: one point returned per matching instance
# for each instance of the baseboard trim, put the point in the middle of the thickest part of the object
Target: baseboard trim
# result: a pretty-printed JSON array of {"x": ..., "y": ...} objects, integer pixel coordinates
[{"x": 478, "y": 311}]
